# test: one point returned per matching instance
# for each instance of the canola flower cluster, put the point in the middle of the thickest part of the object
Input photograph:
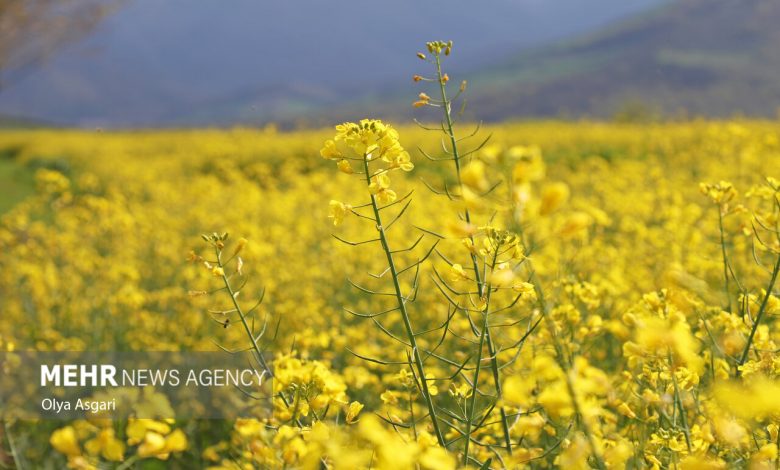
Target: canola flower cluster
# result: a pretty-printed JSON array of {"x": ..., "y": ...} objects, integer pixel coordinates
[{"x": 564, "y": 295}]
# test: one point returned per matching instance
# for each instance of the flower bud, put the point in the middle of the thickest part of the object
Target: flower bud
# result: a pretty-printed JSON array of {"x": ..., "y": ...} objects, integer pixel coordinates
[{"x": 240, "y": 246}]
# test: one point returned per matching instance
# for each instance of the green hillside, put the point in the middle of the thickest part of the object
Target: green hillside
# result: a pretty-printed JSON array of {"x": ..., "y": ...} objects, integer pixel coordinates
[{"x": 691, "y": 57}]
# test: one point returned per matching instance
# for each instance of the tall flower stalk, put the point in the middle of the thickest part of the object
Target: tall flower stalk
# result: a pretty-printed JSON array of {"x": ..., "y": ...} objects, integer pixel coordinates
[
  {"x": 463, "y": 163},
  {"x": 375, "y": 147},
  {"x": 437, "y": 49}
]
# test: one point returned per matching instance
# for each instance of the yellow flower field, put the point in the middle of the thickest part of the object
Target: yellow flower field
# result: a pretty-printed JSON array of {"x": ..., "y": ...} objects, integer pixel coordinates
[{"x": 621, "y": 337}]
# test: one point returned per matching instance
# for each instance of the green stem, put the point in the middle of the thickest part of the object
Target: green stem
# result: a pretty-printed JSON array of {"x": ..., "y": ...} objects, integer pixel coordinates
[
  {"x": 405, "y": 314},
  {"x": 14, "y": 454},
  {"x": 478, "y": 276},
  {"x": 477, "y": 369},
  {"x": 411, "y": 414},
  {"x": 760, "y": 315},
  {"x": 128, "y": 463},
  {"x": 680, "y": 406},
  {"x": 229, "y": 288},
  {"x": 255, "y": 346},
  {"x": 725, "y": 258}
]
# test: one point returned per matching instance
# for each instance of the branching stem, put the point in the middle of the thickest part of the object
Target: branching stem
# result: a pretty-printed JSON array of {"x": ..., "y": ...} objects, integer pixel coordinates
[
  {"x": 494, "y": 366},
  {"x": 760, "y": 315},
  {"x": 412, "y": 339},
  {"x": 255, "y": 347},
  {"x": 478, "y": 367}
]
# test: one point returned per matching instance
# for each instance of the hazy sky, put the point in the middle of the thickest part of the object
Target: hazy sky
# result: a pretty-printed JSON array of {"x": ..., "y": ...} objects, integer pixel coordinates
[{"x": 155, "y": 59}]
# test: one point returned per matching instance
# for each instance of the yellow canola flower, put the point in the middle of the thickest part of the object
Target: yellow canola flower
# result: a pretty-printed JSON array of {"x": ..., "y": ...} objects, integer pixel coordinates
[
  {"x": 345, "y": 167},
  {"x": 576, "y": 225},
  {"x": 575, "y": 456},
  {"x": 665, "y": 337},
  {"x": 107, "y": 445},
  {"x": 338, "y": 211},
  {"x": 404, "y": 161},
  {"x": 503, "y": 276},
  {"x": 698, "y": 462},
  {"x": 649, "y": 228},
  {"x": 353, "y": 410},
  {"x": 368, "y": 138},
  {"x": 518, "y": 391},
  {"x": 379, "y": 187},
  {"x": 64, "y": 440},
  {"x": 461, "y": 229},
  {"x": 378, "y": 183},
  {"x": 526, "y": 289},
  {"x": 529, "y": 164},
  {"x": 330, "y": 151},
  {"x": 137, "y": 429},
  {"x": 756, "y": 398},
  {"x": 460, "y": 391},
  {"x": 554, "y": 195},
  {"x": 626, "y": 410},
  {"x": 719, "y": 193},
  {"x": 247, "y": 427},
  {"x": 556, "y": 400},
  {"x": 766, "y": 456},
  {"x": 240, "y": 245},
  {"x": 389, "y": 397},
  {"x": 161, "y": 447},
  {"x": 473, "y": 175},
  {"x": 457, "y": 273},
  {"x": 529, "y": 427},
  {"x": 51, "y": 181},
  {"x": 393, "y": 452},
  {"x": 618, "y": 453}
]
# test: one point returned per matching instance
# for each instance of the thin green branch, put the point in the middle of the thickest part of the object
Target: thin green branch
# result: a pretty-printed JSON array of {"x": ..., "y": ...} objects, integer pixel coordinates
[
  {"x": 405, "y": 315},
  {"x": 478, "y": 366},
  {"x": 760, "y": 315},
  {"x": 494, "y": 366}
]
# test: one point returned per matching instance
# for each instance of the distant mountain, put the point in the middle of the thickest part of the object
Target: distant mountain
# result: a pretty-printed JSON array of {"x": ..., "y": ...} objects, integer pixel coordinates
[
  {"x": 691, "y": 57},
  {"x": 184, "y": 62}
]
